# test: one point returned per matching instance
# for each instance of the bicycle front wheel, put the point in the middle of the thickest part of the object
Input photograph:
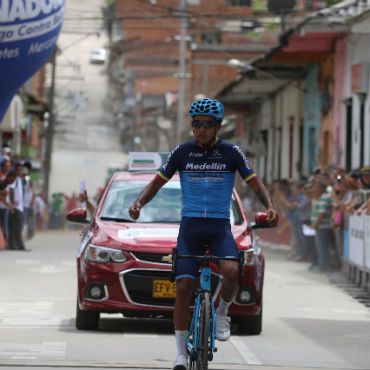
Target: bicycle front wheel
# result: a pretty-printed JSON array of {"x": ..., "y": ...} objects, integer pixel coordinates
[{"x": 203, "y": 326}]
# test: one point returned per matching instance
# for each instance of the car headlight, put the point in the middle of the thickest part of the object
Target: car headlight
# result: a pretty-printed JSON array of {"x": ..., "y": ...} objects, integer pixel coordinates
[{"x": 96, "y": 253}]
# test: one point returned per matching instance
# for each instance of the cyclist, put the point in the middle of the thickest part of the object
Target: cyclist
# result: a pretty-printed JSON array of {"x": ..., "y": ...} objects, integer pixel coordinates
[{"x": 207, "y": 167}]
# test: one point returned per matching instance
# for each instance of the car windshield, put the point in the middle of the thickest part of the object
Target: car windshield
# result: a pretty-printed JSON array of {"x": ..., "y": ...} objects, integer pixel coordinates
[{"x": 165, "y": 207}]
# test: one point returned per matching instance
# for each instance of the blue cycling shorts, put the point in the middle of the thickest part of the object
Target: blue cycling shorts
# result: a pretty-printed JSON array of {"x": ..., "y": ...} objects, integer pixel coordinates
[{"x": 194, "y": 232}]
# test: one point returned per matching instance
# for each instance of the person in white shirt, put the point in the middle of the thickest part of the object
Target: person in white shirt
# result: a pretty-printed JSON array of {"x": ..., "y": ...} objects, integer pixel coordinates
[
  {"x": 5, "y": 206},
  {"x": 28, "y": 200},
  {"x": 16, "y": 219}
]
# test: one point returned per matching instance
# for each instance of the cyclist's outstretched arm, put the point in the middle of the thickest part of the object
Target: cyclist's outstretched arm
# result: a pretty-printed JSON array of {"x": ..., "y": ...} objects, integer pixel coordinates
[
  {"x": 265, "y": 198},
  {"x": 145, "y": 196}
]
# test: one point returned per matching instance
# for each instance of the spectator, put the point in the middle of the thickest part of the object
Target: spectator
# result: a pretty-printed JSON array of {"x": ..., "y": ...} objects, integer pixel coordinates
[
  {"x": 6, "y": 153},
  {"x": 5, "y": 205},
  {"x": 6, "y": 166},
  {"x": 285, "y": 204},
  {"x": 57, "y": 211},
  {"x": 83, "y": 198},
  {"x": 338, "y": 194},
  {"x": 16, "y": 218},
  {"x": 321, "y": 221},
  {"x": 365, "y": 180},
  {"x": 41, "y": 212},
  {"x": 29, "y": 200},
  {"x": 365, "y": 208},
  {"x": 296, "y": 199},
  {"x": 308, "y": 190},
  {"x": 304, "y": 209}
]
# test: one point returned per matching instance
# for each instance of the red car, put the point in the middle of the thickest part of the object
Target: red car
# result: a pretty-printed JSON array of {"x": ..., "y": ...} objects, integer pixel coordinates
[{"x": 125, "y": 266}]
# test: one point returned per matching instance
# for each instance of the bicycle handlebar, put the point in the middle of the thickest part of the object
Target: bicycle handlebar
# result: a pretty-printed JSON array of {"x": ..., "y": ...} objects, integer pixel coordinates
[{"x": 207, "y": 258}]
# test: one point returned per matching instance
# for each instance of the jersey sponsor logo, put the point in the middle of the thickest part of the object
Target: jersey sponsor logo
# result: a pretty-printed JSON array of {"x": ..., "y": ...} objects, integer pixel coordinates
[
  {"x": 215, "y": 180},
  {"x": 243, "y": 156},
  {"x": 191, "y": 154},
  {"x": 205, "y": 166},
  {"x": 168, "y": 158},
  {"x": 215, "y": 154}
]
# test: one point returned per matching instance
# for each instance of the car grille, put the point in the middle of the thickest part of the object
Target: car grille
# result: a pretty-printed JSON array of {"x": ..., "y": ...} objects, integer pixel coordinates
[
  {"x": 138, "y": 285},
  {"x": 152, "y": 257}
]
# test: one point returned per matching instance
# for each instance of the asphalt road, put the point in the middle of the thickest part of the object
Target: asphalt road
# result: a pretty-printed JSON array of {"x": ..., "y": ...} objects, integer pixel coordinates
[{"x": 309, "y": 323}]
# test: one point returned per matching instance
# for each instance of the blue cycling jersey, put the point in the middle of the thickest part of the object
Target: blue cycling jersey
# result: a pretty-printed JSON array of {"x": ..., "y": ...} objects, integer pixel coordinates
[{"x": 207, "y": 176}]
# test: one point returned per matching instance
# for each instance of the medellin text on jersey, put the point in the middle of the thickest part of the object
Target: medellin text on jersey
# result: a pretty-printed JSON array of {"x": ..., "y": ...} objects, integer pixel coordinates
[{"x": 207, "y": 176}]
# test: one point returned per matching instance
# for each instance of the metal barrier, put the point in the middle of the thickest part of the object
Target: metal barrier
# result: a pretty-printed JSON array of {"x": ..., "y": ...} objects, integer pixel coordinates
[{"x": 356, "y": 256}]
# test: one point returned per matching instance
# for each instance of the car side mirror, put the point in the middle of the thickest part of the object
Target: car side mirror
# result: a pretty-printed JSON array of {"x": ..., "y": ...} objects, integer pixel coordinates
[
  {"x": 260, "y": 222},
  {"x": 78, "y": 216}
]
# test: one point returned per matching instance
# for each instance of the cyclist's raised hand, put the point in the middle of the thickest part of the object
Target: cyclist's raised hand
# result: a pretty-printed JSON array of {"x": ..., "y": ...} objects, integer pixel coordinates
[
  {"x": 134, "y": 210},
  {"x": 272, "y": 217}
]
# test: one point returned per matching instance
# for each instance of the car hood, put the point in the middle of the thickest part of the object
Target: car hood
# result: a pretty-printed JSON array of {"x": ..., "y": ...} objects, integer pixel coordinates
[{"x": 131, "y": 236}]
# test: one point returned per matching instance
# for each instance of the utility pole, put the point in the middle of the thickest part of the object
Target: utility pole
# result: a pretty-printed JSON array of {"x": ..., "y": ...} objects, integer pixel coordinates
[
  {"x": 49, "y": 130},
  {"x": 182, "y": 75}
]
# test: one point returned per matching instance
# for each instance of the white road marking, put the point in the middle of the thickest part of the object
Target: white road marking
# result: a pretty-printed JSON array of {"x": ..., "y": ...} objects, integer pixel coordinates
[
  {"x": 48, "y": 269},
  {"x": 27, "y": 262},
  {"x": 244, "y": 351},
  {"x": 30, "y": 314},
  {"x": 334, "y": 310},
  {"x": 31, "y": 322},
  {"x": 32, "y": 351},
  {"x": 11, "y": 309}
]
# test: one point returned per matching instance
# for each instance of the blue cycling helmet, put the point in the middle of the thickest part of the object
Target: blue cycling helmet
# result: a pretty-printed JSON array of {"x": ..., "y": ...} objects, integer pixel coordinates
[{"x": 207, "y": 107}]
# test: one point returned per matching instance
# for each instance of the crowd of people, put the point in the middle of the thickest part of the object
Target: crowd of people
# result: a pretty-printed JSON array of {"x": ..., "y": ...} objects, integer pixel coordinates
[
  {"x": 318, "y": 210},
  {"x": 23, "y": 211},
  {"x": 16, "y": 201}
]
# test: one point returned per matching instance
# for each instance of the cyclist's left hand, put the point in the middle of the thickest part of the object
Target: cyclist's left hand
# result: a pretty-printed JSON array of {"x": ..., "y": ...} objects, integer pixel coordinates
[{"x": 272, "y": 217}]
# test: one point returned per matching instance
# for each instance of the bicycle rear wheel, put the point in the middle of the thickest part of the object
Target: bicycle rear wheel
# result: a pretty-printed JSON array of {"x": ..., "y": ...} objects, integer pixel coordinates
[{"x": 203, "y": 326}]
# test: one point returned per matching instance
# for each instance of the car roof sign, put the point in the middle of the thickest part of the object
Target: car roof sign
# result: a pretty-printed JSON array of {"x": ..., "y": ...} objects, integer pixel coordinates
[{"x": 146, "y": 161}]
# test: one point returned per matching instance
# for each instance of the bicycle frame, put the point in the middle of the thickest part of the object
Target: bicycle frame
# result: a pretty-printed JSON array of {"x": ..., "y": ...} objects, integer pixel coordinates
[
  {"x": 194, "y": 348},
  {"x": 205, "y": 286}
]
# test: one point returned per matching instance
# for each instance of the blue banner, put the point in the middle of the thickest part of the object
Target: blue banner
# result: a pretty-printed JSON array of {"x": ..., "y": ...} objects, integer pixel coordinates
[{"x": 29, "y": 31}]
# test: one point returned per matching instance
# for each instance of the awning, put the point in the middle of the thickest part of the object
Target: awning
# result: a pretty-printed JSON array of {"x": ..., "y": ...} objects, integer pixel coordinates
[
  {"x": 264, "y": 79},
  {"x": 309, "y": 42},
  {"x": 13, "y": 116}
]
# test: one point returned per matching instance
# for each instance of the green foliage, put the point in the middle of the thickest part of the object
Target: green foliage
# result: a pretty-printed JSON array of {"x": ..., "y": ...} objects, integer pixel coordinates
[
  {"x": 260, "y": 5},
  {"x": 273, "y": 26},
  {"x": 254, "y": 34},
  {"x": 332, "y": 2}
]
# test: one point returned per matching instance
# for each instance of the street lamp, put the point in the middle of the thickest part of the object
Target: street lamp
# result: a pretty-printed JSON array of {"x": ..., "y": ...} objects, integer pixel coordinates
[{"x": 242, "y": 65}]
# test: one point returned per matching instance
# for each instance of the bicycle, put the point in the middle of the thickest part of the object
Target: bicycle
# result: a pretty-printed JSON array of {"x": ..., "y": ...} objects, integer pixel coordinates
[{"x": 201, "y": 338}]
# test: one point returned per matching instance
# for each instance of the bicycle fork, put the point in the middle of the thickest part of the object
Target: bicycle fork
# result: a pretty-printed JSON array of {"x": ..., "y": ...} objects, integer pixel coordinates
[{"x": 193, "y": 340}]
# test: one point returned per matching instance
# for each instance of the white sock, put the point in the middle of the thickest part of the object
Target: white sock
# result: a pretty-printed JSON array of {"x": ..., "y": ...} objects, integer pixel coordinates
[
  {"x": 181, "y": 339},
  {"x": 223, "y": 307}
]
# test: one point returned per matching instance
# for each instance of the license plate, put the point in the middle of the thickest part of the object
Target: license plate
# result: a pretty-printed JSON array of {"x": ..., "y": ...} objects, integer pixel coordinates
[{"x": 164, "y": 289}]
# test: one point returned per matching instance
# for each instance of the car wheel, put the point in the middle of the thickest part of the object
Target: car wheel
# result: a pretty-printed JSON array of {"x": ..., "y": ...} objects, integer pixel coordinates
[
  {"x": 251, "y": 325},
  {"x": 86, "y": 320}
]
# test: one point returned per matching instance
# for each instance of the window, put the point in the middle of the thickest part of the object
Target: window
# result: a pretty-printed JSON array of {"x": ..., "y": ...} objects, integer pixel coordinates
[
  {"x": 239, "y": 2},
  {"x": 213, "y": 37}
]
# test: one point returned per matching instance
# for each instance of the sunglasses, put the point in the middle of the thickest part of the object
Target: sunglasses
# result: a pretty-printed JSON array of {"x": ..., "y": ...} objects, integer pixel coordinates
[{"x": 205, "y": 123}]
